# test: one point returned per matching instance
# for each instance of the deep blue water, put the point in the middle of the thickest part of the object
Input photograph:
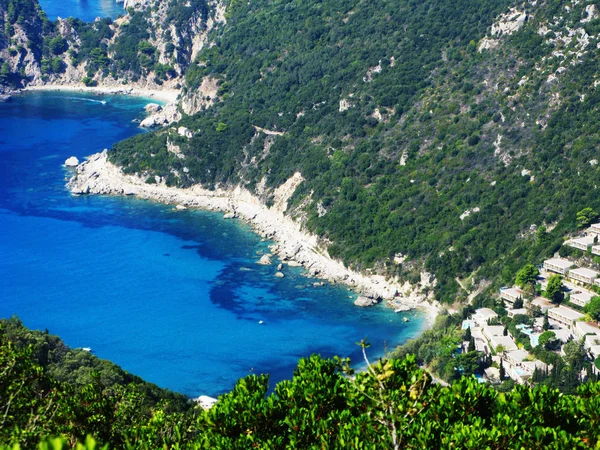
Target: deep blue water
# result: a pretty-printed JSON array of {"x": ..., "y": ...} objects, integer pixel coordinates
[
  {"x": 86, "y": 10},
  {"x": 175, "y": 297}
]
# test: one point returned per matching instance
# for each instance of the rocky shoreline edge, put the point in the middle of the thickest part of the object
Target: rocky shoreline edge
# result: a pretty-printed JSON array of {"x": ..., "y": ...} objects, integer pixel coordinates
[{"x": 294, "y": 246}]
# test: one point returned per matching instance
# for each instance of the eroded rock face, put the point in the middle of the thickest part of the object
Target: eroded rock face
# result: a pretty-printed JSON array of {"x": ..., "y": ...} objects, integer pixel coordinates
[
  {"x": 165, "y": 116},
  {"x": 510, "y": 22}
]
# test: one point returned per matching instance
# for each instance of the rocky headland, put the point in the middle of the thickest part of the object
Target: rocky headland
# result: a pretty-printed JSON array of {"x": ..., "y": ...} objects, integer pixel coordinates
[{"x": 293, "y": 246}]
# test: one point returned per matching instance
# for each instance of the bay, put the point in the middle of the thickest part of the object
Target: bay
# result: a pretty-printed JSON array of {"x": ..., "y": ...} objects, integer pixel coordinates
[{"x": 175, "y": 297}]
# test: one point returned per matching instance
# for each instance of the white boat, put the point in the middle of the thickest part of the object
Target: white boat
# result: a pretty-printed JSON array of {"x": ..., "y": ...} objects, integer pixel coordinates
[{"x": 86, "y": 349}]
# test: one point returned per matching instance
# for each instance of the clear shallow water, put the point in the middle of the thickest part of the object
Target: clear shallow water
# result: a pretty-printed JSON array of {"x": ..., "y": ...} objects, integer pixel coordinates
[
  {"x": 175, "y": 297},
  {"x": 86, "y": 10}
]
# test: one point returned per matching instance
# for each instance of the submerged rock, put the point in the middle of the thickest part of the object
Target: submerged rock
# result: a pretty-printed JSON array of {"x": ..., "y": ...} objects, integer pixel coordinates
[
  {"x": 72, "y": 162},
  {"x": 280, "y": 275}
]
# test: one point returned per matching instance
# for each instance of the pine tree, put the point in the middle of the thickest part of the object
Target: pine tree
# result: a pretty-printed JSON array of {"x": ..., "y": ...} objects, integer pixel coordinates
[{"x": 471, "y": 347}]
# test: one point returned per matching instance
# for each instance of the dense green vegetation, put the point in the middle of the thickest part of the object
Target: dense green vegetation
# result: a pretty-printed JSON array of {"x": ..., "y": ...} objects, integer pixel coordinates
[
  {"x": 391, "y": 405},
  {"x": 415, "y": 145}
]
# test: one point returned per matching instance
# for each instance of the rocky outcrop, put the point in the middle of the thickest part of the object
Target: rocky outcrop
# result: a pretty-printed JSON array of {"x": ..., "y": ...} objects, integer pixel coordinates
[
  {"x": 72, "y": 162},
  {"x": 152, "y": 108},
  {"x": 265, "y": 260},
  {"x": 205, "y": 96},
  {"x": 364, "y": 301},
  {"x": 509, "y": 23},
  {"x": 165, "y": 116}
]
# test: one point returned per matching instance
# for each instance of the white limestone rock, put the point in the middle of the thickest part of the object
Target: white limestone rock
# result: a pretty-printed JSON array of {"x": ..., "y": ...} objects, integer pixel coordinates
[
  {"x": 72, "y": 162},
  {"x": 152, "y": 108},
  {"x": 364, "y": 301},
  {"x": 265, "y": 260}
]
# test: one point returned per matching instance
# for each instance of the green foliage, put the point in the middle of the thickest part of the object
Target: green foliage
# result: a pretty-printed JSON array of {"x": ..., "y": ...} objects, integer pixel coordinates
[
  {"x": 554, "y": 289},
  {"x": 58, "y": 45},
  {"x": 527, "y": 275},
  {"x": 585, "y": 217},
  {"x": 89, "y": 81},
  {"x": 392, "y": 404},
  {"x": 547, "y": 339},
  {"x": 593, "y": 308}
]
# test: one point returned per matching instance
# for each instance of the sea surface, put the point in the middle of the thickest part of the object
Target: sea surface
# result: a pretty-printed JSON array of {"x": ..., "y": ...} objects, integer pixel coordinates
[
  {"x": 86, "y": 10},
  {"x": 175, "y": 297}
]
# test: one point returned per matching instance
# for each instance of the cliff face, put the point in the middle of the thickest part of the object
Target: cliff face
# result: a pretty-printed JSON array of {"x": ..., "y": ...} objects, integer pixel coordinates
[{"x": 151, "y": 46}]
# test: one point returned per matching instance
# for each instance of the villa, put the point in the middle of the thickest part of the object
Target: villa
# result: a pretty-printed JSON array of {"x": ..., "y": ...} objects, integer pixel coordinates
[
  {"x": 482, "y": 315},
  {"x": 583, "y": 275},
  {"x": 584, "y": 329},
  {"x": 563, "y": 316},
  {"x": 583, "y": 243},
  {"x": 558, "y": 265},
  {"x": 594, "y": 228},
  {"x": 511, "y": 295},
  {"x": 581, "y": 298}
]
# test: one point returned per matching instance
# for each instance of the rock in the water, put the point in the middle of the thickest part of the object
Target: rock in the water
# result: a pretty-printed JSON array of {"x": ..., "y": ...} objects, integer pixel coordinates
[
  {"x": 72, "y": 162},
  {"x": 230, "y": 215},
  {"x": 152, "y": 107},
  {"x": 148, "y": 122},
  {"x": 279, "y": 274},
  {"x": 365, "y": 301},
  {"x": 279, "y": 267},
  {"x": 180, "y": 208},
  {"x": 265, "y": 260}
]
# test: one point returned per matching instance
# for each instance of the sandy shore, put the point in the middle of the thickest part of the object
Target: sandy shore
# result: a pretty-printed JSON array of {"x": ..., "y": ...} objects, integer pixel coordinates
[
  {"x": 293, "y": 245},
  {"x": 166, "y": 95}
]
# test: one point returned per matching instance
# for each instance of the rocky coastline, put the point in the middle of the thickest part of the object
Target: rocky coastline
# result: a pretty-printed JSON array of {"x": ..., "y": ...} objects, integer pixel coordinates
[{"x": 292, "y": 245}]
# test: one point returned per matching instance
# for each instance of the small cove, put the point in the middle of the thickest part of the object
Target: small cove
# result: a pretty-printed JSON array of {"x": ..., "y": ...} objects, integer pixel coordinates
[{"x": 174, "y": 297}]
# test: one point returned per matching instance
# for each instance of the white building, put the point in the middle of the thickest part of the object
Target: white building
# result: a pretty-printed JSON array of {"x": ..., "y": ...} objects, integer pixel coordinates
[
  {"x": 582, "y": 329},
  {"x": 514, "y": 312},
  {"x": 583, "y": 275},
  {"x": 511, "y": 295},
  {"x": 582, "y": 243},
  {"x": 581, "y": 298},
  {"x": 505, "y": 341},
  {"x": 594, "y": 228},
  {"x": 482, "y": 315},
  {"x": 563, "y": 316},
  {"x": 558, "y": 265}
]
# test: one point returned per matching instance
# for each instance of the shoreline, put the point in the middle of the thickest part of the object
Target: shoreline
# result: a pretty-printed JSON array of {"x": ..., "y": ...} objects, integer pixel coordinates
[
  {"x": 166, "y": 95},
  {"x": 294, "y": 246}
]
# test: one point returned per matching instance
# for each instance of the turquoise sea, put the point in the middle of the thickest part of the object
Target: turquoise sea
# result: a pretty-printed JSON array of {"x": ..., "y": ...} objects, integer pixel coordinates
[
  {"x": 175, "y": 297},
  {"x": 86, "y": 10}
]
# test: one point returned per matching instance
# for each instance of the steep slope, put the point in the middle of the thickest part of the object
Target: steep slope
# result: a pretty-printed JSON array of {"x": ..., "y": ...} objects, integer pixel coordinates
[
  {"x": 415, "y": 132},
  {"x": 152, "y": 45}
]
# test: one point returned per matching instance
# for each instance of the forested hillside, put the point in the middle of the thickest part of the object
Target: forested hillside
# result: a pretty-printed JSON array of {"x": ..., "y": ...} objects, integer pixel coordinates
[
  {"x": 446, "y": 132},
  {"x": 393, "y": 405},
  {"x": 434, "y": 136}
]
